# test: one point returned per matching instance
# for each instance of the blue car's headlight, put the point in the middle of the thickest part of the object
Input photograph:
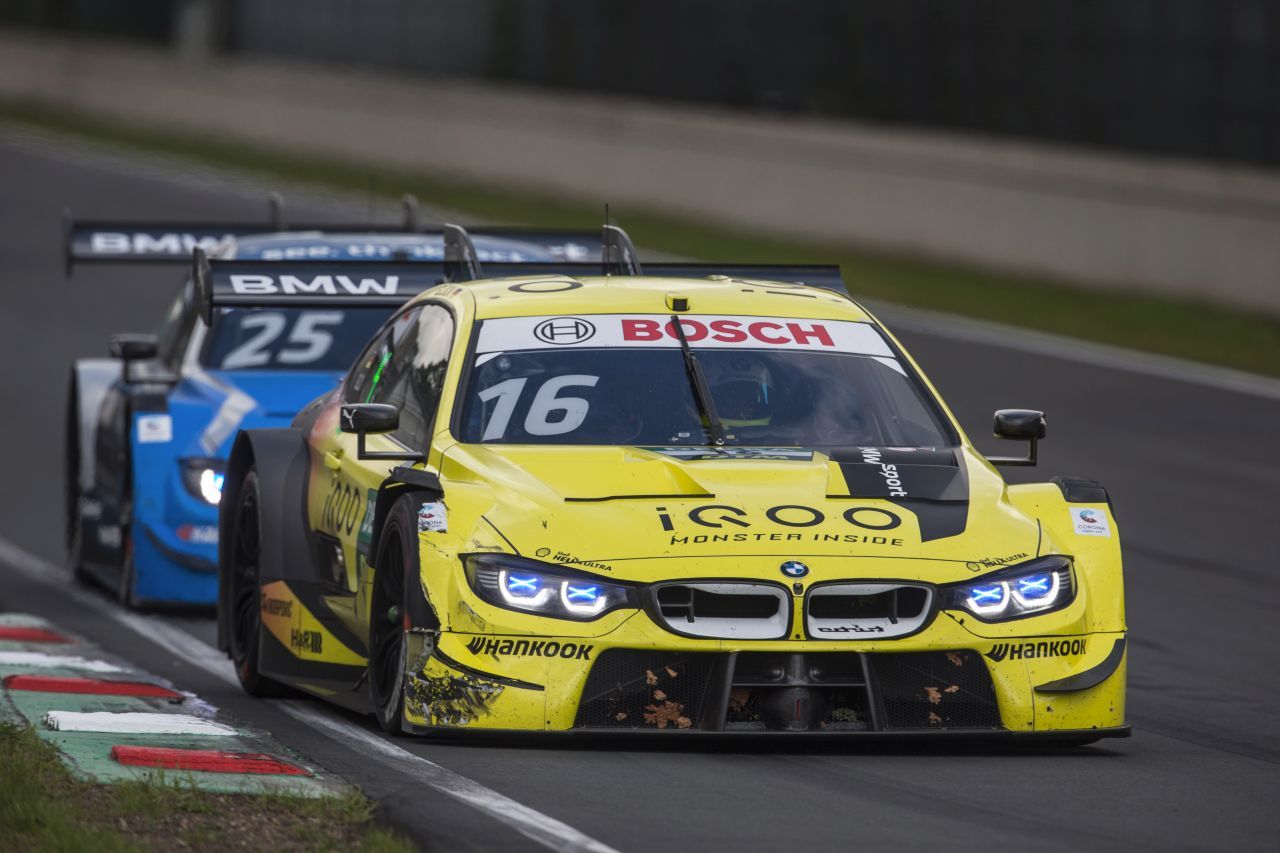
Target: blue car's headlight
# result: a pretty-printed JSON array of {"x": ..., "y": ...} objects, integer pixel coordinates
[
  {"x": 517, "y": 583},
  {"x": 1038, "y": 586},
  {"x": 203, "y": 478}
]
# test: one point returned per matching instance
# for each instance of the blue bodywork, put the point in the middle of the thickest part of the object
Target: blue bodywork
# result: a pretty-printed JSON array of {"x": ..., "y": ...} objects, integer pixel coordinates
[{"x": 174, "y": 532}]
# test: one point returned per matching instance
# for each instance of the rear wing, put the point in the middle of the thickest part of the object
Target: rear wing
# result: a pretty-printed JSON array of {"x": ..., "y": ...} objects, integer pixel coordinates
[
  {"x": 106, "y": 241},
  {"x": 261, "y": 284},
  {"x": 335, "y": 284}
]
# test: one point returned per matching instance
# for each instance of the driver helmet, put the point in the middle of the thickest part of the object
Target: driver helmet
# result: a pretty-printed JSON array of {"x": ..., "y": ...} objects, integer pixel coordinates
[{"x": 741, "y": 386}]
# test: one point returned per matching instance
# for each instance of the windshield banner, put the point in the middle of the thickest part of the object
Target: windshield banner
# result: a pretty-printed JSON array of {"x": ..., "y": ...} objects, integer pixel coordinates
[{"x": 703, "y": 331}]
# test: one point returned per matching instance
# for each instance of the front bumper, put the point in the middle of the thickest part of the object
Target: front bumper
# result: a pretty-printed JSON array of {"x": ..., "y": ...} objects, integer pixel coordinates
[
  {"x": 635, "y": 679},
  {"x": 172, "y": 566}
]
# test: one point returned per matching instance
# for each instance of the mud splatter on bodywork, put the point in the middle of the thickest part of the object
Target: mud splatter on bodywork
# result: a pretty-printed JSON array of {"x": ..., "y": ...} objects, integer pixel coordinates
[{"x": 451, "y": 700}]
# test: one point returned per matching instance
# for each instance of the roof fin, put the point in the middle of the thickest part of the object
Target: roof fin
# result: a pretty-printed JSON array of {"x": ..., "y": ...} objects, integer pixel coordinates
[
  {"x": 275, "y": 208},
  {"x": 461, "y": 263},
  {"x": 619, "y": 255},
  {"x": 412, "y": 217},
  {"x": 202, "y": 282}
]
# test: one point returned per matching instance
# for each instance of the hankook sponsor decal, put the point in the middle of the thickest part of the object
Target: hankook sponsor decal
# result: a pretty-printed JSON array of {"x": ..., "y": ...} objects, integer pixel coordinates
[
  {"x": 1036, "y": 649},
  {"x": 703, "y": 331},
  {"x": 530, "y": 648}
]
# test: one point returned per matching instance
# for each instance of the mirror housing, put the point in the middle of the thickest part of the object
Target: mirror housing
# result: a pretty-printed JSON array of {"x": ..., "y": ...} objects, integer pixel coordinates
[
  {"x": 361, "y": 419},
  {"x": 133, "y": 347},
  {"x": 130, "y": 348},
  {"x": 1018, "y": 425}
]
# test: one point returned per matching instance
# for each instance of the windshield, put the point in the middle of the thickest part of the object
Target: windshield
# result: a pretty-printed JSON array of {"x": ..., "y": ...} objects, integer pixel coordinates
[
  {"x": 623, "y": 380},
  {"x": 289, "y": 338}
]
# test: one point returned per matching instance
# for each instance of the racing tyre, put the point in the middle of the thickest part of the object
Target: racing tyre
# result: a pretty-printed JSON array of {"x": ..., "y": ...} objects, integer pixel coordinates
[
  {"x": 243, "y": 579},
  {"x": 397, "y": 559},
  {"x": 71, "y": 493},
  {"x": 127, "y": 591}
]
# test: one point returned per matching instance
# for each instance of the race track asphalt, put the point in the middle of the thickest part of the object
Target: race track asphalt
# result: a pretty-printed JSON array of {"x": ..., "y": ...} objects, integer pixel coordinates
[{"x": 1194, "y": 472}]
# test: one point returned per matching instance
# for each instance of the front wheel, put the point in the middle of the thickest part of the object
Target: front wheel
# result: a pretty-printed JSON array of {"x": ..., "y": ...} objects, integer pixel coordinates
[
  {"x": 127, "y": 588},
  {"x": 71, "y": 493},
  {"x": 397, "y": 560},
  {"x": 245, "y": 549}
]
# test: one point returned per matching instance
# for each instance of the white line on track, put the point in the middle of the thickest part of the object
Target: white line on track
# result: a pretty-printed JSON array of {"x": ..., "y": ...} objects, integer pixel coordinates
[{"x": 529, "y": 822}]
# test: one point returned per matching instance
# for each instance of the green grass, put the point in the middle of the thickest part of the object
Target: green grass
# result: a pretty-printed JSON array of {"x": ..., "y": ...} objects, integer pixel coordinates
[
  {"x": 42, "y": 808},
  {"x": 38, "y": 806},
  {"x": 1240, "y": 339}
]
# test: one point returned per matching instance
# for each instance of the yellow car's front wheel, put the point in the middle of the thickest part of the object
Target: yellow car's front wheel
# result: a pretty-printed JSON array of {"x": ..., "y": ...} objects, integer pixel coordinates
[{"x": 397, "y": 559}]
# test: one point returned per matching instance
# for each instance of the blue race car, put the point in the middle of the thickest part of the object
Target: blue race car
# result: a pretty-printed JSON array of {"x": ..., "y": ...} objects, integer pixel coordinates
[{"x": 149, "y": 430}]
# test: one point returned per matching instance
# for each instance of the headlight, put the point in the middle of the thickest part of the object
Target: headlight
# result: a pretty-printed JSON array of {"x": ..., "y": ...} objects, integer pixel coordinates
[
  {"x": 203, "y": 479},
  {"x": 1025, "y": 590},
  {"x": 547, "y": 590}
]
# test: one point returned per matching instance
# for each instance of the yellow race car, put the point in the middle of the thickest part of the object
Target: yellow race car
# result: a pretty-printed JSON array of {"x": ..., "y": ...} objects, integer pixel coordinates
[{"x": 678, "y": 499}]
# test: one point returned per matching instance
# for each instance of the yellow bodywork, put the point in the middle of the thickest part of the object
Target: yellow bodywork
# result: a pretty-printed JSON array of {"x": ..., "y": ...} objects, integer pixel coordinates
[{"x": 575, "y": 506}]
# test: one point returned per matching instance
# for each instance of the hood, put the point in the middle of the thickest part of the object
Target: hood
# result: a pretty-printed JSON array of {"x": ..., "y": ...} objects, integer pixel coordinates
[
  {"x": 211, "y": 406},
  {"x": 938, "y": 515}
]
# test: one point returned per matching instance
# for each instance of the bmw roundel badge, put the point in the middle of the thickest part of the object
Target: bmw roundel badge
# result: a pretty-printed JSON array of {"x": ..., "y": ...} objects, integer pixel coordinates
[{"x": 794, "y": 569}]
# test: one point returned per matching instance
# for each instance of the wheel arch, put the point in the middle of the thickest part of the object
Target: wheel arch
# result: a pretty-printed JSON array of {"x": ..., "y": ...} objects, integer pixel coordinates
[
  {"x": 1098, "y": 555},
  {"x": 1082, "y": 490},
  {"x": 282, "y": 462},
  {"x": 91, "y": 379},
  {"x": 420, "y": 487}
]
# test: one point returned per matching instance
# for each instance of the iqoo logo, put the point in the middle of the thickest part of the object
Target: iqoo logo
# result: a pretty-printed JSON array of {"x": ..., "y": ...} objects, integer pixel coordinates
[
  {"x": 341, "y": 508},
  {"x": 784, "y": 523},
  {"x": 786, "y": 515}
]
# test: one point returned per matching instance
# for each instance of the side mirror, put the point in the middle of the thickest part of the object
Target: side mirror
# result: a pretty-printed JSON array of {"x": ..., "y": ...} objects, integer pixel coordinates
[
  {"x": 361, "y": 419},
  {"x": 1018, "y": 425},
  {"x": 131, "y": 348}
]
